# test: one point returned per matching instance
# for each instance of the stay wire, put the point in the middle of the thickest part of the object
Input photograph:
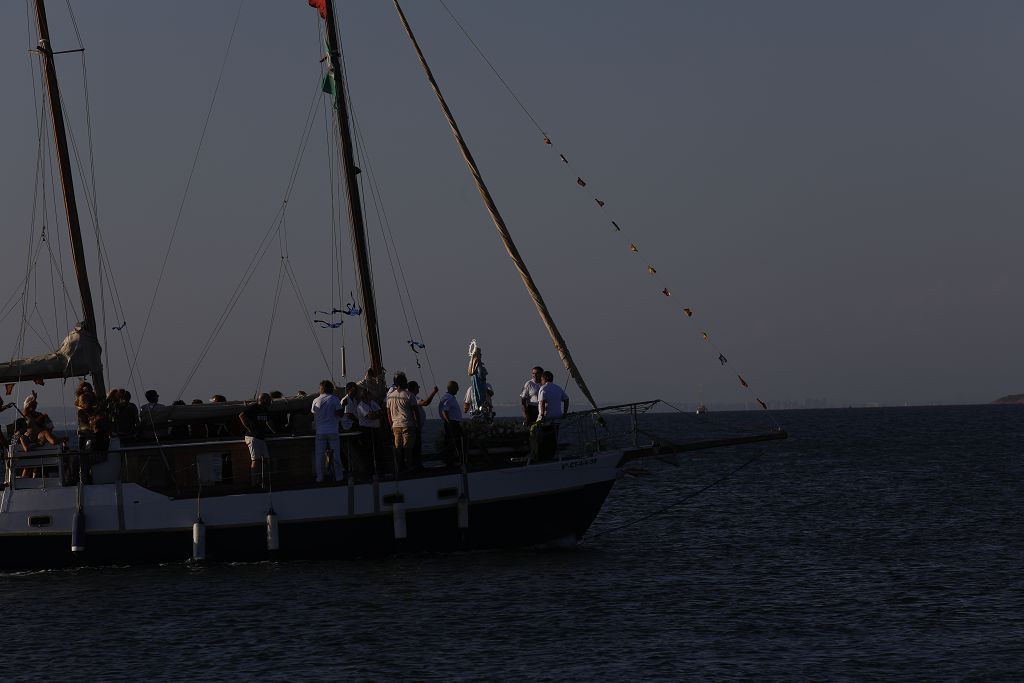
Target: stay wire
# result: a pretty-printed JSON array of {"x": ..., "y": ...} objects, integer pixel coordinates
[
  {"x": 391, "y": 246},
  {"x": 188, "y": 185},
  {"x": 273, "y": 230},
  {"x": 480, "y": 52},
  {"x": 270, "y": 328}
]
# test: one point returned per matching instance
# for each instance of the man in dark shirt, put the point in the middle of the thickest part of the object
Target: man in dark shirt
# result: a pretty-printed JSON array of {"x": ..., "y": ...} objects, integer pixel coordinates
[{"x": 256, "y": 421}]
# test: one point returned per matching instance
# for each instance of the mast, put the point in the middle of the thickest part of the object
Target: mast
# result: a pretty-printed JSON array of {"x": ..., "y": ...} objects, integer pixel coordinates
[
  {"x": 68, "y": 186},
  {"x": 499, "y": 222},
  {"x": 355, "y": 206}
]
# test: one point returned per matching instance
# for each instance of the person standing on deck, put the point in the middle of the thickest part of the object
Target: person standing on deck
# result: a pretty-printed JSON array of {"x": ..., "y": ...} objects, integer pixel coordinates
[
  {"x": 326, "y": 410},
  {"x": 256, "y": 421},
  {"x": 553, "y": 403},
  {"x": 369, "y": 413},
  {"x": 404, "y": 421},
  {"x": 451, "y": 417},
  {"x": 421, "y": 414},
  {"x": 529, "y": 396}
]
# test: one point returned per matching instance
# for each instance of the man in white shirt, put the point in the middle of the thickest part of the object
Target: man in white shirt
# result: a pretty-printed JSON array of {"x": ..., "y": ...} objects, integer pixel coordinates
[
  {"x": 326, "y": 410},
  {"x": 553, "y": 403},
  {"x": 451, "y": 416},
  {"x": 529, "y": 396}
]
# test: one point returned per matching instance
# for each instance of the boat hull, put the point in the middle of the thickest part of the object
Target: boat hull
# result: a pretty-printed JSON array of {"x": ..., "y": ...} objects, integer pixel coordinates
[{"x": 515, "y": 507}]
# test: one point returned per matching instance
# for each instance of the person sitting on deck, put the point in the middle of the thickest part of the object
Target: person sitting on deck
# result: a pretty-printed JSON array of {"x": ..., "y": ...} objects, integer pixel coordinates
[
  {"x": 4, "y": 443},
  {"x": 257, "y": 423},
  {"x": 326, "y": 410},
  {"x": 151, "y": 414},
  {"x": 34, "y": 428},
  {"x": 218, "y": 428}
]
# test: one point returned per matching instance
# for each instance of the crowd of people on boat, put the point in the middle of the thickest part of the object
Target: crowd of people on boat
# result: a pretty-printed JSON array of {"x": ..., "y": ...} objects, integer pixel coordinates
[{"x": 382, "y": 425}]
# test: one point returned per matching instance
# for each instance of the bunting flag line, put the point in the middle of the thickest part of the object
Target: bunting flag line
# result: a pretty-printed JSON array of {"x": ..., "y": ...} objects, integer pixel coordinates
[
  {"x": 326, "y": 325},
  {"x": 651, "y": 270},
  {"x": 9, "y": 388},
  {"x": 415, "y": 345},
  {"x": 120, "y": 327}
]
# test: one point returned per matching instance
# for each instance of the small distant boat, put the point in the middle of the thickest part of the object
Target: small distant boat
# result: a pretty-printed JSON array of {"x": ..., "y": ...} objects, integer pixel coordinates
[{"x": 701, "y": 409}]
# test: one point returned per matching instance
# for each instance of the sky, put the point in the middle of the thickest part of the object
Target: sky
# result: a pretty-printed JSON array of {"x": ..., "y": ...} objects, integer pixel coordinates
[{"x": 833, "y": 189}]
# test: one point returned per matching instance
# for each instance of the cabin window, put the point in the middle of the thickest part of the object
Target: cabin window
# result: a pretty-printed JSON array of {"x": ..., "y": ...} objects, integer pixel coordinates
[{"x": 40, "y": 521}]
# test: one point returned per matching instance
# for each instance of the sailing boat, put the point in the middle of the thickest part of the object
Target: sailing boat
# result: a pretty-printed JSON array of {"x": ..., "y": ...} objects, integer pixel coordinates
[{"x": 149, "y": 498}]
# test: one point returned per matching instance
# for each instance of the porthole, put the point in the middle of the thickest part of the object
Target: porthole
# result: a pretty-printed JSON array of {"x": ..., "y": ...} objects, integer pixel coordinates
[{"x": 40, "y": 521}]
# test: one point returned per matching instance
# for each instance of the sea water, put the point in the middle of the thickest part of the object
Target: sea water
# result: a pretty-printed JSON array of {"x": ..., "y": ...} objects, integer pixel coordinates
[{"x": 873, "y": 543}]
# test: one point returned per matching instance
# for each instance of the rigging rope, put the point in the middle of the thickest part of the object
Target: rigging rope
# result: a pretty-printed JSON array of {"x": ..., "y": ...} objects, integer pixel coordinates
[
  {"x": 274, "y": 230},
  {"x": 188, "y": 184},
  {"x": 663, "y": 286}
]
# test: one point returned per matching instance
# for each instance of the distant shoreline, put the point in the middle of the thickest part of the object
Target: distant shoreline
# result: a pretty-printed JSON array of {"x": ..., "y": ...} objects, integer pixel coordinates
[{"x": 1011, "y": 398}]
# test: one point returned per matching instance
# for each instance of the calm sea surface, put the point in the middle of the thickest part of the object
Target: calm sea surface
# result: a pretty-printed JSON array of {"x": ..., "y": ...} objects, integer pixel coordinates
[{"x": 874, "y": 543}]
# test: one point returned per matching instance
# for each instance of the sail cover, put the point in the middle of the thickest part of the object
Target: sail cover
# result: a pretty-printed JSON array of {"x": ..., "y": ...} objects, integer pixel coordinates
[{"x": 79, "y": 354}]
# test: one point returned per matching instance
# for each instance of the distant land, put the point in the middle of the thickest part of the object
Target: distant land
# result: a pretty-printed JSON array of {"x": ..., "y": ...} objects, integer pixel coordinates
[{"x": 1012, "y": 398}]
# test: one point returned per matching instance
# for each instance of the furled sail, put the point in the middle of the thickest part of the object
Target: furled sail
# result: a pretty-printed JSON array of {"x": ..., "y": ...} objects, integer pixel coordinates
[{"x": 79, "y": 354}]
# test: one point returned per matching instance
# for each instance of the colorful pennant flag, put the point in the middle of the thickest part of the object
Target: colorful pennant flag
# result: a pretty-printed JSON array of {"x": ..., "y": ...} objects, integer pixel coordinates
[
  {"x": 632, "y": 248},
  {"x": 562, "y": 157},
  {"x": 9, "y": 388},
  {"x": 722, "y": 359},
  {"x": 599, "y": 202},
  {"x": 743, "y": 381},
  {"x": 40, "y": 382},
  {"x": 763, "y": 404},
  {"x": 580, "y": 181},
  {"x": 616, "y": 226},
  {"x": 651, "y": 270},
  {"x": 321, "y": 6},
  {"x": 547, "y": 140},
  {"x": 666, "y": 292},
  {"x": 705, "y": 335},
  {"x": 688, "y": 312}
]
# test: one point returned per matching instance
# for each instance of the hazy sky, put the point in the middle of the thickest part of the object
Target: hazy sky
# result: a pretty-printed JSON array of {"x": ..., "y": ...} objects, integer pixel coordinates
[{"x": 834, "y": 188}]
